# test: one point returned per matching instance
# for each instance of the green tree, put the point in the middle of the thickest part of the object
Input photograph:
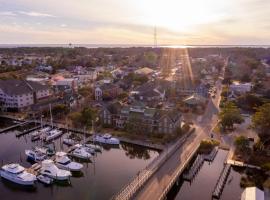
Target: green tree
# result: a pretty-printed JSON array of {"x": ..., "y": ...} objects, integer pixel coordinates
[
  {"x": 241, "y": 142},
  {"x": 229, "y": 116},
  {"x": 261, "y": 122},
  {"x": 249, "y": 102}
]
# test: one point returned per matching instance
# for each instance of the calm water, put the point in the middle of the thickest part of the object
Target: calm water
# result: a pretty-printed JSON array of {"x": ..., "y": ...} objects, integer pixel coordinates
[
  {"x": 105, "y": 176},
  {"x": 204, "y": 182}
]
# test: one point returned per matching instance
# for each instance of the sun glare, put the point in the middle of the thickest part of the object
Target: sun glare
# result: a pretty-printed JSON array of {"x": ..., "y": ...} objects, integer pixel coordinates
[{"x": 179, "y": 15}]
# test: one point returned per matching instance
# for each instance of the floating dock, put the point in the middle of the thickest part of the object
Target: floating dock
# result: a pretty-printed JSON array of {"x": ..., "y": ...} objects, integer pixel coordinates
[
  {"x": 19, "y": 134},
  {"x": 194, "y": 168},
  {"x": 221, "y": 181},
  {"x": 210, "y": 157},
  {"x": 13, "y": 127}
]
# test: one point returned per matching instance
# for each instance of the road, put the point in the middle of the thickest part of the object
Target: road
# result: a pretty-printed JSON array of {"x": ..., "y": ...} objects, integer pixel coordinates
[
  {"x": 157, "y": 183},
  {"x": 155, "y": 186}
]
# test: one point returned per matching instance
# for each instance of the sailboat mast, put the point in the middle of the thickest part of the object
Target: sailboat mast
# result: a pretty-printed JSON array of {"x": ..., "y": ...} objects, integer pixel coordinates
[{"x": 51, "y": 115}]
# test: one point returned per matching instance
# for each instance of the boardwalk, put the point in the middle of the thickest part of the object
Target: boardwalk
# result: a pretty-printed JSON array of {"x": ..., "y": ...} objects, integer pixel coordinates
[{"x": 157, "y": 186}]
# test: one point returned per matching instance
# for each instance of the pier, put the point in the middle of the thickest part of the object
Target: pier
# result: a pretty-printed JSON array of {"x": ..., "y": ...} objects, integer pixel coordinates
[
  {"x": 210, "y": 157},
  {"x": 19, "y": 134},
  {"x": 221, "y": 181},
  {"x": 194, "y": 168},
  {"x": 13, "y": 127}
]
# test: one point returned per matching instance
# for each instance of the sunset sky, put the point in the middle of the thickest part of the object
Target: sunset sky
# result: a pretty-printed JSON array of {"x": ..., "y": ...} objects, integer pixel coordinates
[{"x": 178, "y": 22}]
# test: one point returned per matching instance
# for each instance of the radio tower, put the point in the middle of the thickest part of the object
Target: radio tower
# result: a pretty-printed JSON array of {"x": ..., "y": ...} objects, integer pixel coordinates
[{"x": 155, "y": 37}]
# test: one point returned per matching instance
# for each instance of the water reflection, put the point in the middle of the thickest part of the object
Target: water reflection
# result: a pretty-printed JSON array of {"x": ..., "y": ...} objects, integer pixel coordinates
[{"x": 135, "y": 151}]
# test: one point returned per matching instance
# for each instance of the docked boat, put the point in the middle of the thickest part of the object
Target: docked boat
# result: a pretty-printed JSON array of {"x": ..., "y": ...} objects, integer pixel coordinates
[
  {"x": 48, "y": 168},
  {"x": 69, "y": 141},
  {"x": 45, "y": 179},
  {"x": 35, "y": 155},
  {"x": 106, "y": 139},
  {"x": 96, "y": 147},
  {"x": 53, "y": 134},
  {"x": 63, "y": 162},
  {"x": 80, "y": 152},
  {"x": 36, "y": 135},
  {"x": 17, "y": 174},
  {"x": 48, "y": 150}
]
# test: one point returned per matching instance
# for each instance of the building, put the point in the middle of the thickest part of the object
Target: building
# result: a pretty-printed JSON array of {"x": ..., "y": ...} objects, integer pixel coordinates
[
  {"x": 154, "y": 120},
  {"x": 69, "y": 82},
  {"x": 107, "y": 91},
  {"x": 17, "y": 95},
  {"x": 144, "y": 71},
  {"x": 252, "y": 193},
  {"x": 240, "y": 87},
  {"x": 195, "y": 100}
]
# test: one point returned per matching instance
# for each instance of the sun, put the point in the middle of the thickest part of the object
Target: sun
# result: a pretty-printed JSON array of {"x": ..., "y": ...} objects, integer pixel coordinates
[{"x": 179, "y": 15}]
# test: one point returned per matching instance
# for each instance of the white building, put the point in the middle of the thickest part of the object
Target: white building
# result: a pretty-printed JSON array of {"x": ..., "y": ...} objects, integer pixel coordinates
[
  {"x": 240, "y": 87},
  {"x": 252, "y": 193},
  {"x": 19, "y": 94}
]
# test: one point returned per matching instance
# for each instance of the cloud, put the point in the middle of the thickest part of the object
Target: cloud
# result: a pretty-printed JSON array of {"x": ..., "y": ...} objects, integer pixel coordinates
[
  {"x": 7, "y": 13},
  {"x": 63, "y": 25},
  {"x": 36, "y": 14}
]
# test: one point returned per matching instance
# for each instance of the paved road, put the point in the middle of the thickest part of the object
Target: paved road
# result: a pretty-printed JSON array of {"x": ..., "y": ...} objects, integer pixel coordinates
[
  {"x": 155, "y": 186},
  {"x": 159, "y": 181}
]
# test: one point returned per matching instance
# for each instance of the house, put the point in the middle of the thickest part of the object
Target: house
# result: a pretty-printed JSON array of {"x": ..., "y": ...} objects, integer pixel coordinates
[
  {"x": 195, "y": 100},
  {"x": 252, "y": 193},
  {"x": 155, "y": 120},
  {"x": 144, "y": 71},
  {"x": 107, "y": 91},
  {"x": 69, "y": 82},
  {"x": 240, "y": 87},
  {"x": 117, "y": 73},
  {"x": 17, "y": 95}
]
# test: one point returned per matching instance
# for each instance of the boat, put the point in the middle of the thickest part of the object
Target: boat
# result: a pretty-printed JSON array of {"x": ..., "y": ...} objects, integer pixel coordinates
[
  {"x": 106, "y": 139},
  {"x": 35, "y": 155},
  {"x": 69, "y": 141},
  {"x": 63, "y": 162},
  {"x": 45, "y": 179},
  {"x": 48, "y": 168},
  {"x": 47, "y": 149},
  {"x": 94, "y": 146},
  {"x": 17, "y": 174},
  {"x": 53, "y": 134},
  {"x": 80, "y": 152},
  {"x": 36, "y": 135}
]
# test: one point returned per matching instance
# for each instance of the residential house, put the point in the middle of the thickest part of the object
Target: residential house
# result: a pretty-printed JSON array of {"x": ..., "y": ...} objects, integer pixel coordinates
[
  {"x": 145, "y": 71},
  {"x": 107, "y": 91},
  {"x": 240, "y": 87},
  {"x": 155, "y": 120},
  {"x": 19, "y": 94}
]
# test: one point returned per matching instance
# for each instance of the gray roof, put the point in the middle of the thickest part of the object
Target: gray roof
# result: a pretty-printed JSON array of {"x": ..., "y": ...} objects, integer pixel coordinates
[{"x": 17, "y": 87}]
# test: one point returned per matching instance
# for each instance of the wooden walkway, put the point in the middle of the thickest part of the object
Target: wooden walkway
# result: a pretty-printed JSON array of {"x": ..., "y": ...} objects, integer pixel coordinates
[
  {"x": 13, "y": 127},
  {"x": 194, "y": 168},
  {"x": 221, "y": 181}
]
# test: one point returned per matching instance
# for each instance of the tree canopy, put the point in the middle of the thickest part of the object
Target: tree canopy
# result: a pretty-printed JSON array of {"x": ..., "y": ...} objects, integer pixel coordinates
[
  {"x": 229, "y": 116},
  {"x": 261, "y": 122}
]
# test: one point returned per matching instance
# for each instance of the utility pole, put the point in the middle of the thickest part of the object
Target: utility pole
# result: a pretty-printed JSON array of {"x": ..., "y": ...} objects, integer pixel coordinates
[{"x": 155, "y": 37}]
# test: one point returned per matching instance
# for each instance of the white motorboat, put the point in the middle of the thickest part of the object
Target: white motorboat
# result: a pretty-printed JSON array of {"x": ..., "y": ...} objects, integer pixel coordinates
[
  {"x": 17, "y": 174},
  {"x": 63, "y": 162},
  {"x": 48, "y": 168},
  {"x": 80, "y": 152},
  {"x": 69, "y": 141},
  {"x": 45, "y": 179},
  {"x": 35, "y": 155},
  {"x": 106, "y": 139},
  {"x": 53, "y": 134},
  {"x": 49, "y": 151},
  {"x": 94, "y": 146}
]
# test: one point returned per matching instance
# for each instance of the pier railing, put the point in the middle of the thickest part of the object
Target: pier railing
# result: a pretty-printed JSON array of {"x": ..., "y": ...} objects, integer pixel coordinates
[{"x": 138, "y": 181}]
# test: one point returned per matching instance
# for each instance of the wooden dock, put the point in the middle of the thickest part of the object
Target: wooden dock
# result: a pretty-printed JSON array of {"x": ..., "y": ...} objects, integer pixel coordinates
[
  {"x": 13, "y": 127},
  {"x": 210, "y": 157},
  {"x": 194, "y": 168},
  {"x": 19, "y": 134},
  {"x": 221, "y": 181}
]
